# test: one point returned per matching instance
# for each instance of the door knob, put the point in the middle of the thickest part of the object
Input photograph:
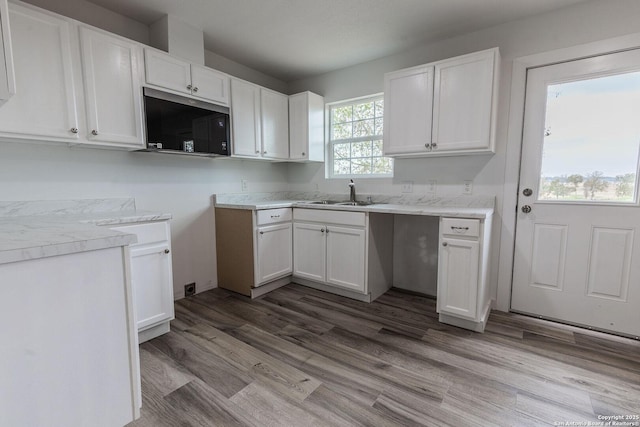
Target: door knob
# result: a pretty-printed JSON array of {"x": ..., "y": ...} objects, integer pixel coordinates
[
  {"x": 526, "y": 209},
  {"x": 527, "y": 192}
]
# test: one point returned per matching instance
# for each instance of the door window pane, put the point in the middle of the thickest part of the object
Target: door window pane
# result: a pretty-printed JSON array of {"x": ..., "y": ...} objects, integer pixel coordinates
[{"x": 591, "y": 140}]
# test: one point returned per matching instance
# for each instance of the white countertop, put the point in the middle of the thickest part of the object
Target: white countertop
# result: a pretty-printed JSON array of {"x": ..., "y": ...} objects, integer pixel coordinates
[
  {"x": 40, "y": 235},
  {"x": 430, "y": 209}
]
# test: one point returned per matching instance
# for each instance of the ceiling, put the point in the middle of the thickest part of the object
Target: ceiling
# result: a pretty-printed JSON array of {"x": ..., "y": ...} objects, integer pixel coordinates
[{"x": 293, "y": 39}]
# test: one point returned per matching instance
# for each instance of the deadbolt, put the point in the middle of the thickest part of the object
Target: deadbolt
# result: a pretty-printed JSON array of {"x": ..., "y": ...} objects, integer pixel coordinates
[
  {"x": 526, "y": 209},
  {"x": 527, "y": 192}
]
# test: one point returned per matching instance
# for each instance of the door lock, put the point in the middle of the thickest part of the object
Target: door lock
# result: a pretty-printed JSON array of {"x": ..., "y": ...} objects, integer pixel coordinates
[
  {"x": 527, "y": 192},
  {"x": 526, "y": 209}
]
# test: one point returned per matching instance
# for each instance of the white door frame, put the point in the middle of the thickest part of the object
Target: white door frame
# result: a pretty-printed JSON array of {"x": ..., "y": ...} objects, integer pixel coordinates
[{"x": 514, "y": 144}]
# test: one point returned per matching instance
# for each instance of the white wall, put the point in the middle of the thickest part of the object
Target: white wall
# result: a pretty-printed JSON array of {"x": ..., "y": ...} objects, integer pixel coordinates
[
  {"x": 178, "y": 185},
  {"x": 582, "y": 23}
]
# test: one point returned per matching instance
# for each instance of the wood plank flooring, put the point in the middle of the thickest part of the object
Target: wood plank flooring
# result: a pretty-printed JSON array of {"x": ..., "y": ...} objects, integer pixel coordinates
[{"x": 301, "y": 357}]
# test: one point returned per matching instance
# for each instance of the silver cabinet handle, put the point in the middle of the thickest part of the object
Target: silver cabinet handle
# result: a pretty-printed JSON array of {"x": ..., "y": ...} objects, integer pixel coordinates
[
  {"x": 444, "y": 243},
  {"x": 94, "y": 132},
  {"x": 459, "y": 228},
  {"x": 275, "y": 216},
  {"x": 73, "y": 130},
  {"x": 166, "y": 251},
  {"x": 195, "y": 89},
  {"x": 189, "y": 87}
]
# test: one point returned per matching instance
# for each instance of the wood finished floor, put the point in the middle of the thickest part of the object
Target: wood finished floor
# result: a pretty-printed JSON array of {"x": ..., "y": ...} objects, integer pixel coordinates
[{"x": 301, "y": 357}]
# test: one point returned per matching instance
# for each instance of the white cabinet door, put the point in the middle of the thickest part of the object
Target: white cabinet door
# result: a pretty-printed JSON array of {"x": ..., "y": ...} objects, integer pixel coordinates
[
  {"x": 310, "y": 251},
  {"x": 112, "y": 81},
  {"x": 463, "y": 102},
  {"x": 44, "y": 106},
  {"x": 306, "y": 127},
  {"x": 458, "y": 277},
  {"x": 7, "y": 74},
  {"x": 152, "y": 283},
  {"x": 274, "y": 109},
  {"x": 274, "y": 251},
  {"x": 209, "y": 84},
  {"x": 166, "y": 71},
  {"x": 346, "y": 257},
  {"x": 408, "y": 103},
  {"x": 245, "y": 119}
]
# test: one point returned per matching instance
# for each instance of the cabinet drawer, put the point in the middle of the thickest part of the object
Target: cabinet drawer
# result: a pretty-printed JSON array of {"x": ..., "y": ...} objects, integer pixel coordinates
[
  {"x": 147, "y": 233},
  {"x": 460, "y": 227},
  {"x": 357, "y": 219},
  {"x": 271, "y": 216}
]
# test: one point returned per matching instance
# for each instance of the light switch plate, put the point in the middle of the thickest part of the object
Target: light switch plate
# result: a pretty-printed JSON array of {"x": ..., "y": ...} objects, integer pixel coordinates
[{"x": 468, "y": 187}]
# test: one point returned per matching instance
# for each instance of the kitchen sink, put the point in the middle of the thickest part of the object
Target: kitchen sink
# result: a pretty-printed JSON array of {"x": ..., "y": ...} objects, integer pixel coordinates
[
  {"x": 361, "y": 203},
  {"x": 325, "y": 202}
]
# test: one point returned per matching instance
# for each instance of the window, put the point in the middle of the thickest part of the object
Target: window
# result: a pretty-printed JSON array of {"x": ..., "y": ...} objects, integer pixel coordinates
[{"x": 355, "y": 139}]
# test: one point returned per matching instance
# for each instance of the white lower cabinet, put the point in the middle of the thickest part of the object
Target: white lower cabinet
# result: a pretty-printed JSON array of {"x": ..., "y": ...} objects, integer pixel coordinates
[
  {"x": 463, "y": 298},
  {"x": 151, "y": 277},
  {"x": 274, "y": 250},
  {"x": 330, "y": 247}
]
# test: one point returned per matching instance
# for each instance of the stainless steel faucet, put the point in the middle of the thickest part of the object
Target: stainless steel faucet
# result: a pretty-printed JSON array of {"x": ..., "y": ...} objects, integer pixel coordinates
[{"x": 352, "y": 192}]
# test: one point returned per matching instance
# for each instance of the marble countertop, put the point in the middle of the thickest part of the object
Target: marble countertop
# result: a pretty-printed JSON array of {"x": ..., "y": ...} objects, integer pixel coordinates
[
  {"x": 32, "y": 230},
  {"x": 466, "y": 207}
]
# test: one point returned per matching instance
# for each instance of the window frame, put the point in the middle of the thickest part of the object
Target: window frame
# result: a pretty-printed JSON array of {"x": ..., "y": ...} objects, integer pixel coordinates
[{"x": 329, "y": 169}]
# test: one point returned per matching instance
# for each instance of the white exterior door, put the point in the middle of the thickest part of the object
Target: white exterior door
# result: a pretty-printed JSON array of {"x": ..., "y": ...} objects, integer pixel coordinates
[{"x": 577, "y": 255}]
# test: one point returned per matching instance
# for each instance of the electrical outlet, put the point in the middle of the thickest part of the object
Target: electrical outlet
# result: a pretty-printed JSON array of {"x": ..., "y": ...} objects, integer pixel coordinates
[
  {"x": 244, "y": 185},
  {"x": 431, "y": 186},
  {"x": 190, "y": 289},
  {"x": 407, "y": 186},
  {"x": 468, "y": 187}
]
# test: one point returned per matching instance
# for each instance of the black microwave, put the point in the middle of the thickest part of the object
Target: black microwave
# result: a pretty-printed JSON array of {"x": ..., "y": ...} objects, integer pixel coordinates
[{"x": 181, "y": 125}]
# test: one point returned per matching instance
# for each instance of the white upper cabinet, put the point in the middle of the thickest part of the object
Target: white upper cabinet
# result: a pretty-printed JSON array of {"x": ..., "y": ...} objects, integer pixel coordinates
[
  {"x": 245, "y": 119},
  {"x": 112, "y": 80},
  {"x": 464, "y": 102},
  {"x": 74, "y": 84},
  {"x": 7, "y": 74},
  {"x": 306, "y": 127},
  {"x": 259, "y": 122},
  {"x": 274, "y": 108},
  {"x": 444, "y": 108},
  {"x": 44, "y": 106},
  {"x": 168, "y": 72},
  {"x": 408, "y": 101}
]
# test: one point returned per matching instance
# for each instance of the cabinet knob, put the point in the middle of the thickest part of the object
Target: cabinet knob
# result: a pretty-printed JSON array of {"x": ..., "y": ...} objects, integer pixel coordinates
[
  {"x": 189, "y": 87},
  {"x": 94, "y": 132},
  {"x": 195, "y": 89},
  {"x": 257, "y": 151},
  {"x": 264, "y": 152},
  {"x": 322, "y": 230},
  {"x": 73, "y": 130},
  {"x": 427, "y": 146},
  {"x": 166, "y": 251},
  {"x": 304, "y": 154},
  {"x": 444, "y": 243},
  {"x": 261, "y": 232},
  {"x": 434, "y": 145}
]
